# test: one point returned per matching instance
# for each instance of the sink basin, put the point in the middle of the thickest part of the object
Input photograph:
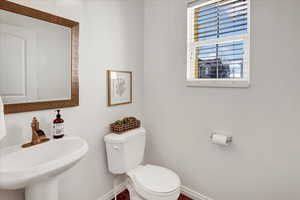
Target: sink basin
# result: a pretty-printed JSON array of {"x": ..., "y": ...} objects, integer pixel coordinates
[{"x": 37, "y": 168}]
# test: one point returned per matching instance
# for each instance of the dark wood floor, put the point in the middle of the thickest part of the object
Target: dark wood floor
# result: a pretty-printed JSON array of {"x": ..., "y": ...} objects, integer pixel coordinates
[{"x": 125, "y": 196}]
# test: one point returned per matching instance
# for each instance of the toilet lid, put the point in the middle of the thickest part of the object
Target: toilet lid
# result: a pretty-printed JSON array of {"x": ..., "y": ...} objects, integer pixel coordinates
[{"x": 156, "y": 179}]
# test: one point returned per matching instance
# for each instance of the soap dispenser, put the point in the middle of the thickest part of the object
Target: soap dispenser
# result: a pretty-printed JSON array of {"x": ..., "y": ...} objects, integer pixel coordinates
[{"x": 58, "y": 126}]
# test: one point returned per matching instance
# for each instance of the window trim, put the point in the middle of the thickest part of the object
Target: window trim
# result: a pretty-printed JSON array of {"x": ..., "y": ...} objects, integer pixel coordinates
[{"x": 231, "y": 83}]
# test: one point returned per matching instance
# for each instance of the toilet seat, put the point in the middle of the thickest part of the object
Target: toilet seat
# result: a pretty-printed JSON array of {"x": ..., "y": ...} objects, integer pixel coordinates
[{"x": 155, "y": 183}]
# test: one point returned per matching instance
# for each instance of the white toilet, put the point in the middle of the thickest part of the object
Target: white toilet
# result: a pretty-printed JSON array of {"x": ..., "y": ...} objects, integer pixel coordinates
[{"x": 125, "y": 154}]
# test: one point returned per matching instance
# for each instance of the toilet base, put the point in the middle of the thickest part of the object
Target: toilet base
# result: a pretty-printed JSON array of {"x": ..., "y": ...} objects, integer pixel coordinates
[{"x": 132, "y": 193}]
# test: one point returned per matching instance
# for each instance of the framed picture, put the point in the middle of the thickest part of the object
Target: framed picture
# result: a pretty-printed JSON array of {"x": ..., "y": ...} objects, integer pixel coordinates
[{"x": 119, "y": 87}]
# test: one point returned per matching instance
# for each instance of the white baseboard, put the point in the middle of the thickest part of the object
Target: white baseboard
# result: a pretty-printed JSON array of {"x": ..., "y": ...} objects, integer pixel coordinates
[
  {"x": 111, "y": 194},
  {"x": 184, "y": 190},
  {"x": 193, "y": 194}
]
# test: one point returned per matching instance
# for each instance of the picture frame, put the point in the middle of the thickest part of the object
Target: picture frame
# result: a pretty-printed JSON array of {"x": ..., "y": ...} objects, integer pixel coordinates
[{"x": 119, "y": 87}]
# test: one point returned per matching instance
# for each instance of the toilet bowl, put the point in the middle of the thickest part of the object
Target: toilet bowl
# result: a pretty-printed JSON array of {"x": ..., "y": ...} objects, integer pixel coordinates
[
  {"x": 153, "y": 183},
  {"x": 125, "y": 153}
]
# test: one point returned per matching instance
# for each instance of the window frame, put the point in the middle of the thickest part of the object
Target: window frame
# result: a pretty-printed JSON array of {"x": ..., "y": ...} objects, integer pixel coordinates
[{"x": 191, "y": 45}]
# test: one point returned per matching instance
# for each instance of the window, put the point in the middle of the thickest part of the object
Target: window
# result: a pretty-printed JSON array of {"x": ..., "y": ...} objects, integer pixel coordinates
[{"x": 218, "y": 43}]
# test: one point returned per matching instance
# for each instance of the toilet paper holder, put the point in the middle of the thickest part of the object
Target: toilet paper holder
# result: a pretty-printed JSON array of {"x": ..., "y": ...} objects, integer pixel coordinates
[{"x": 228, "y": 138}]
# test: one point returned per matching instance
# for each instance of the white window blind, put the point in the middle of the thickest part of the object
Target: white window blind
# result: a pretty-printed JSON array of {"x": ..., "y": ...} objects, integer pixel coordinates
[{"x": 218, "y": 43}]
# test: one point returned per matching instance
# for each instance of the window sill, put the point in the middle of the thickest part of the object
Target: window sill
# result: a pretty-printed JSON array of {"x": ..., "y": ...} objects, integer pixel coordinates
[{"x": 218, "y": 83}]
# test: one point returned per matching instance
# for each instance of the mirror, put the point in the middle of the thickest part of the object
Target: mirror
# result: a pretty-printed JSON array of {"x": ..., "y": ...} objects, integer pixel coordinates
[{"x": 38, "y": 59}]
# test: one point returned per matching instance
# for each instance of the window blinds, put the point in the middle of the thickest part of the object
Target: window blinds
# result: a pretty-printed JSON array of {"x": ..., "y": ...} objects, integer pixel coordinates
[
  {"x": 221, "y": 19},
  {"x": 217, "y": 45},
  {"x": 220, "y": 60}
]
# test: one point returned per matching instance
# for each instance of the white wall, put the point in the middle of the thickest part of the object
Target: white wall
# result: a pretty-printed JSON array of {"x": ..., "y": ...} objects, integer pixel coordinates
[
  {"x": 111, "y": 37},
  {"x": 263, "y": 163}
]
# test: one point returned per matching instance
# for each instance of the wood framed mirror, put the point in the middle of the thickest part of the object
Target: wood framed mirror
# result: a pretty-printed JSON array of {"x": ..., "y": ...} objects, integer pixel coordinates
[{"x": 38, "y": 59}]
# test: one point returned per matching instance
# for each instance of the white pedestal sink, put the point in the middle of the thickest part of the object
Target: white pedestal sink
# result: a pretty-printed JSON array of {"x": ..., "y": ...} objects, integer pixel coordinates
[{"x": 37, "y": 168}]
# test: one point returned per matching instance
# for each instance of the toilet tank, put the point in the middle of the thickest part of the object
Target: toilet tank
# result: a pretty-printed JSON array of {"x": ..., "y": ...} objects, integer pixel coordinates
[{"x": 125, "y": 151}]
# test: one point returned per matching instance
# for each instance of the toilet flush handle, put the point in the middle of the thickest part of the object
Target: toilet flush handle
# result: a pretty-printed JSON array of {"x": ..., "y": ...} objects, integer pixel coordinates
[{"x": 116, "y": 148}]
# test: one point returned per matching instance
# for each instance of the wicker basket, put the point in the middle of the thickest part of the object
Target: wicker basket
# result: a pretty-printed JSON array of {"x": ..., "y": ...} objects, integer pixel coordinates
[{"x": 126, "y": 125}]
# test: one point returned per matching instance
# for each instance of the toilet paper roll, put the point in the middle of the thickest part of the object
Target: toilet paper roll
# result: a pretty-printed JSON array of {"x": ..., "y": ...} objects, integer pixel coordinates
[{"x": 220, "y": 139}]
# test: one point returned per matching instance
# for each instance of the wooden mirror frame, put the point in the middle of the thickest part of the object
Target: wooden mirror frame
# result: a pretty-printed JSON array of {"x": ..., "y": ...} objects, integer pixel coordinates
[{"x": 74, "y": 26}]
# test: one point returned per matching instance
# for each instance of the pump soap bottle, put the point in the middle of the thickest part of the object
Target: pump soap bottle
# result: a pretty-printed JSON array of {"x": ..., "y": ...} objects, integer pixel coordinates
[{"x": 58, "y": 126}]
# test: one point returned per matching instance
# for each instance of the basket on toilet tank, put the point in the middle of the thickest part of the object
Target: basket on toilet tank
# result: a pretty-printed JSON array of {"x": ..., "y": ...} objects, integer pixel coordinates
[{"x": 126, "y": 124}]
